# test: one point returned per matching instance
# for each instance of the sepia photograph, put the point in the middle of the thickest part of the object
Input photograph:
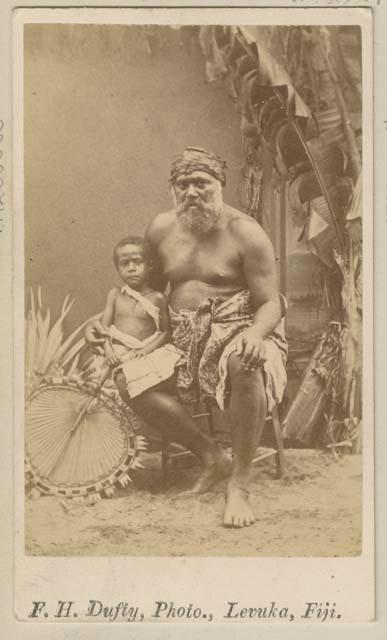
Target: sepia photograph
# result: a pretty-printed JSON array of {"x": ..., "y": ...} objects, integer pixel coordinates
[{"x": 193, "y": 289}]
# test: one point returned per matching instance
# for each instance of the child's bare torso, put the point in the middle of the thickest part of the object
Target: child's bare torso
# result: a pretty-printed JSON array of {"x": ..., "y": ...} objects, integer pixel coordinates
[{"x": 131, "y": 318}]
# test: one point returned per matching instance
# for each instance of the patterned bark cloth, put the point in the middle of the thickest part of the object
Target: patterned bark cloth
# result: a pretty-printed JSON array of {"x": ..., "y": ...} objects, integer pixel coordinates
[{"x": 207, "y": 337}]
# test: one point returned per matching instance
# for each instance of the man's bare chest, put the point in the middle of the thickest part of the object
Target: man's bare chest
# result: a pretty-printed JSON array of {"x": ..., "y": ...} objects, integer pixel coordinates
[{"x": 207, "y": 259}]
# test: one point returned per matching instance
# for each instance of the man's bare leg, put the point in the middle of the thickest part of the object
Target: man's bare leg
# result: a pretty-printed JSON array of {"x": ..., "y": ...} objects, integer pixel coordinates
[
  {"x": 167, "y": 415},
  {"x": 248, "y": 411}
]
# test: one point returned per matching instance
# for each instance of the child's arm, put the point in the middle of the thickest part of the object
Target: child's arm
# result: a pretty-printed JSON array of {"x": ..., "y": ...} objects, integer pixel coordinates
[
  {"x": 108, "y": 313},
  {"x": 106, "y": 321},
  {"x": 163, "y": 337},
  {"x": 95, "y": 331}
]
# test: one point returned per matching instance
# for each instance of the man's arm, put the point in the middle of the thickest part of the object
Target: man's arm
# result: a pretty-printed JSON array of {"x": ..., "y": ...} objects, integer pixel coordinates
[
  {"x": 258, "y": 264},
  {"x": 152, "y": 239}
]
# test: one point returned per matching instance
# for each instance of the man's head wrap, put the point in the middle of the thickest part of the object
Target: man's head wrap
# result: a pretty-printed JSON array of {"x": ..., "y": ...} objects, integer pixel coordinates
[{"x": 196, "y": 159}]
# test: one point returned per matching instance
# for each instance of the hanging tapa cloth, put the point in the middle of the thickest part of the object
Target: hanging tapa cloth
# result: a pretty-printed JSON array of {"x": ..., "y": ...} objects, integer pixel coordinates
[{"x": 320, "y": 233}]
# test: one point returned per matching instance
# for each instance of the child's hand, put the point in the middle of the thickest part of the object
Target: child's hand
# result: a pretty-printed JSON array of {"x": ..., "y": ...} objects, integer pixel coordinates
[
  {"x": 137, "y": 354},
  {"x": 111, "y": 357},
  {"x": 95, "y": 333}
]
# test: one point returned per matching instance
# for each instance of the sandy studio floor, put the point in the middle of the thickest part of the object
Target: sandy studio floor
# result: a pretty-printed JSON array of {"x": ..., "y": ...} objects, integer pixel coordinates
[{"x": 314, "y": 511}]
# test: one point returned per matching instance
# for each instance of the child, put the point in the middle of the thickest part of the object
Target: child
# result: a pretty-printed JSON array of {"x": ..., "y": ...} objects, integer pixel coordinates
[{"x": 135, "y": 323}]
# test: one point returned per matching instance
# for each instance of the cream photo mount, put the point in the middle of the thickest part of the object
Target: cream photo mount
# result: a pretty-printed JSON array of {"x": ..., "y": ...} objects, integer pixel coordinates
[{"x": 124, "y": 589}]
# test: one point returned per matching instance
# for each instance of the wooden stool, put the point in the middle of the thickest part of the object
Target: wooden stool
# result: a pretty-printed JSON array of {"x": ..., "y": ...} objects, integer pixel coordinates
[
  {"x": 279, "y": 450},
  {"x": 181, "y": 455}
]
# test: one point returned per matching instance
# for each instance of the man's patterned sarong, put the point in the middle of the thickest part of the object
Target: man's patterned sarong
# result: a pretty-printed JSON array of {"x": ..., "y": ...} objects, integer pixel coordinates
[{"x": 207, "y": 337}]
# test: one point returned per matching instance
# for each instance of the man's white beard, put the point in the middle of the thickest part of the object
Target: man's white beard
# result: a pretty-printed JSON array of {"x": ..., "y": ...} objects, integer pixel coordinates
[{"x": 200, "y": 218}]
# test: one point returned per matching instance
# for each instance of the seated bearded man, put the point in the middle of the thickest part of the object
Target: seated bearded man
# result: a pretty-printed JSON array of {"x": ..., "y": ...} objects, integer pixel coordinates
[{"x": 225, "y": 314}]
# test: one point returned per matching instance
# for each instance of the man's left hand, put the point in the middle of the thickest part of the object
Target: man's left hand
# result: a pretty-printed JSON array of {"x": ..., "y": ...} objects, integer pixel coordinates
[{"x": 248, "y": 347}]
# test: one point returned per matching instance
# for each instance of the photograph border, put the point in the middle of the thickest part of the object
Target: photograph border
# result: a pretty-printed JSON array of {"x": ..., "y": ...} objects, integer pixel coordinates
[{"x": 368, "y": 303}]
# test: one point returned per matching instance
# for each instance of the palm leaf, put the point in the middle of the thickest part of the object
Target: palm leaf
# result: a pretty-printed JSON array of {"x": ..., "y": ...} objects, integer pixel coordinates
[
  {"x": 71, "y": 353},
  {"x": 32, "y": 300},
  {"x": 65, "y": 309},
  {"x": 45, "y": 349},
  {"x": 43, "y": 334},
  {"x": 67, "y": 343},
  {"x": 54, "y": 342},
  {"x": 74, "y": 365},
  {"x": 40, "y": 303}
]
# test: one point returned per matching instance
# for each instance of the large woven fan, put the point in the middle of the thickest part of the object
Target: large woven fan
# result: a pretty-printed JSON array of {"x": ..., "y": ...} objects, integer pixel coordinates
[{"x": 80, "y": 439}]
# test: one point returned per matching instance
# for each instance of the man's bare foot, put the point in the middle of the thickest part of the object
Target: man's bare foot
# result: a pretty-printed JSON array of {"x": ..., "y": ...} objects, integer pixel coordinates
[
  {"x": 238, "y": 512},
  {"x": 215, "y": 469}
]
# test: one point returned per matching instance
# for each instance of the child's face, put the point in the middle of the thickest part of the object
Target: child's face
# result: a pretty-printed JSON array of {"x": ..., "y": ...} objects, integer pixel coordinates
[{"x": 131, "y": 266}]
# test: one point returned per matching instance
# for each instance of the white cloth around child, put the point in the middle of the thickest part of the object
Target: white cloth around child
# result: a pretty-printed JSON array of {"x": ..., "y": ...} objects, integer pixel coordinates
[{"x": 151, "y": 369}]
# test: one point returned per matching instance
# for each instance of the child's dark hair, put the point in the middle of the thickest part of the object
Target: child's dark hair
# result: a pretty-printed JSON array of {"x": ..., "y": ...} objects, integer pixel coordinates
[{"x": 136, "y": 240}]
